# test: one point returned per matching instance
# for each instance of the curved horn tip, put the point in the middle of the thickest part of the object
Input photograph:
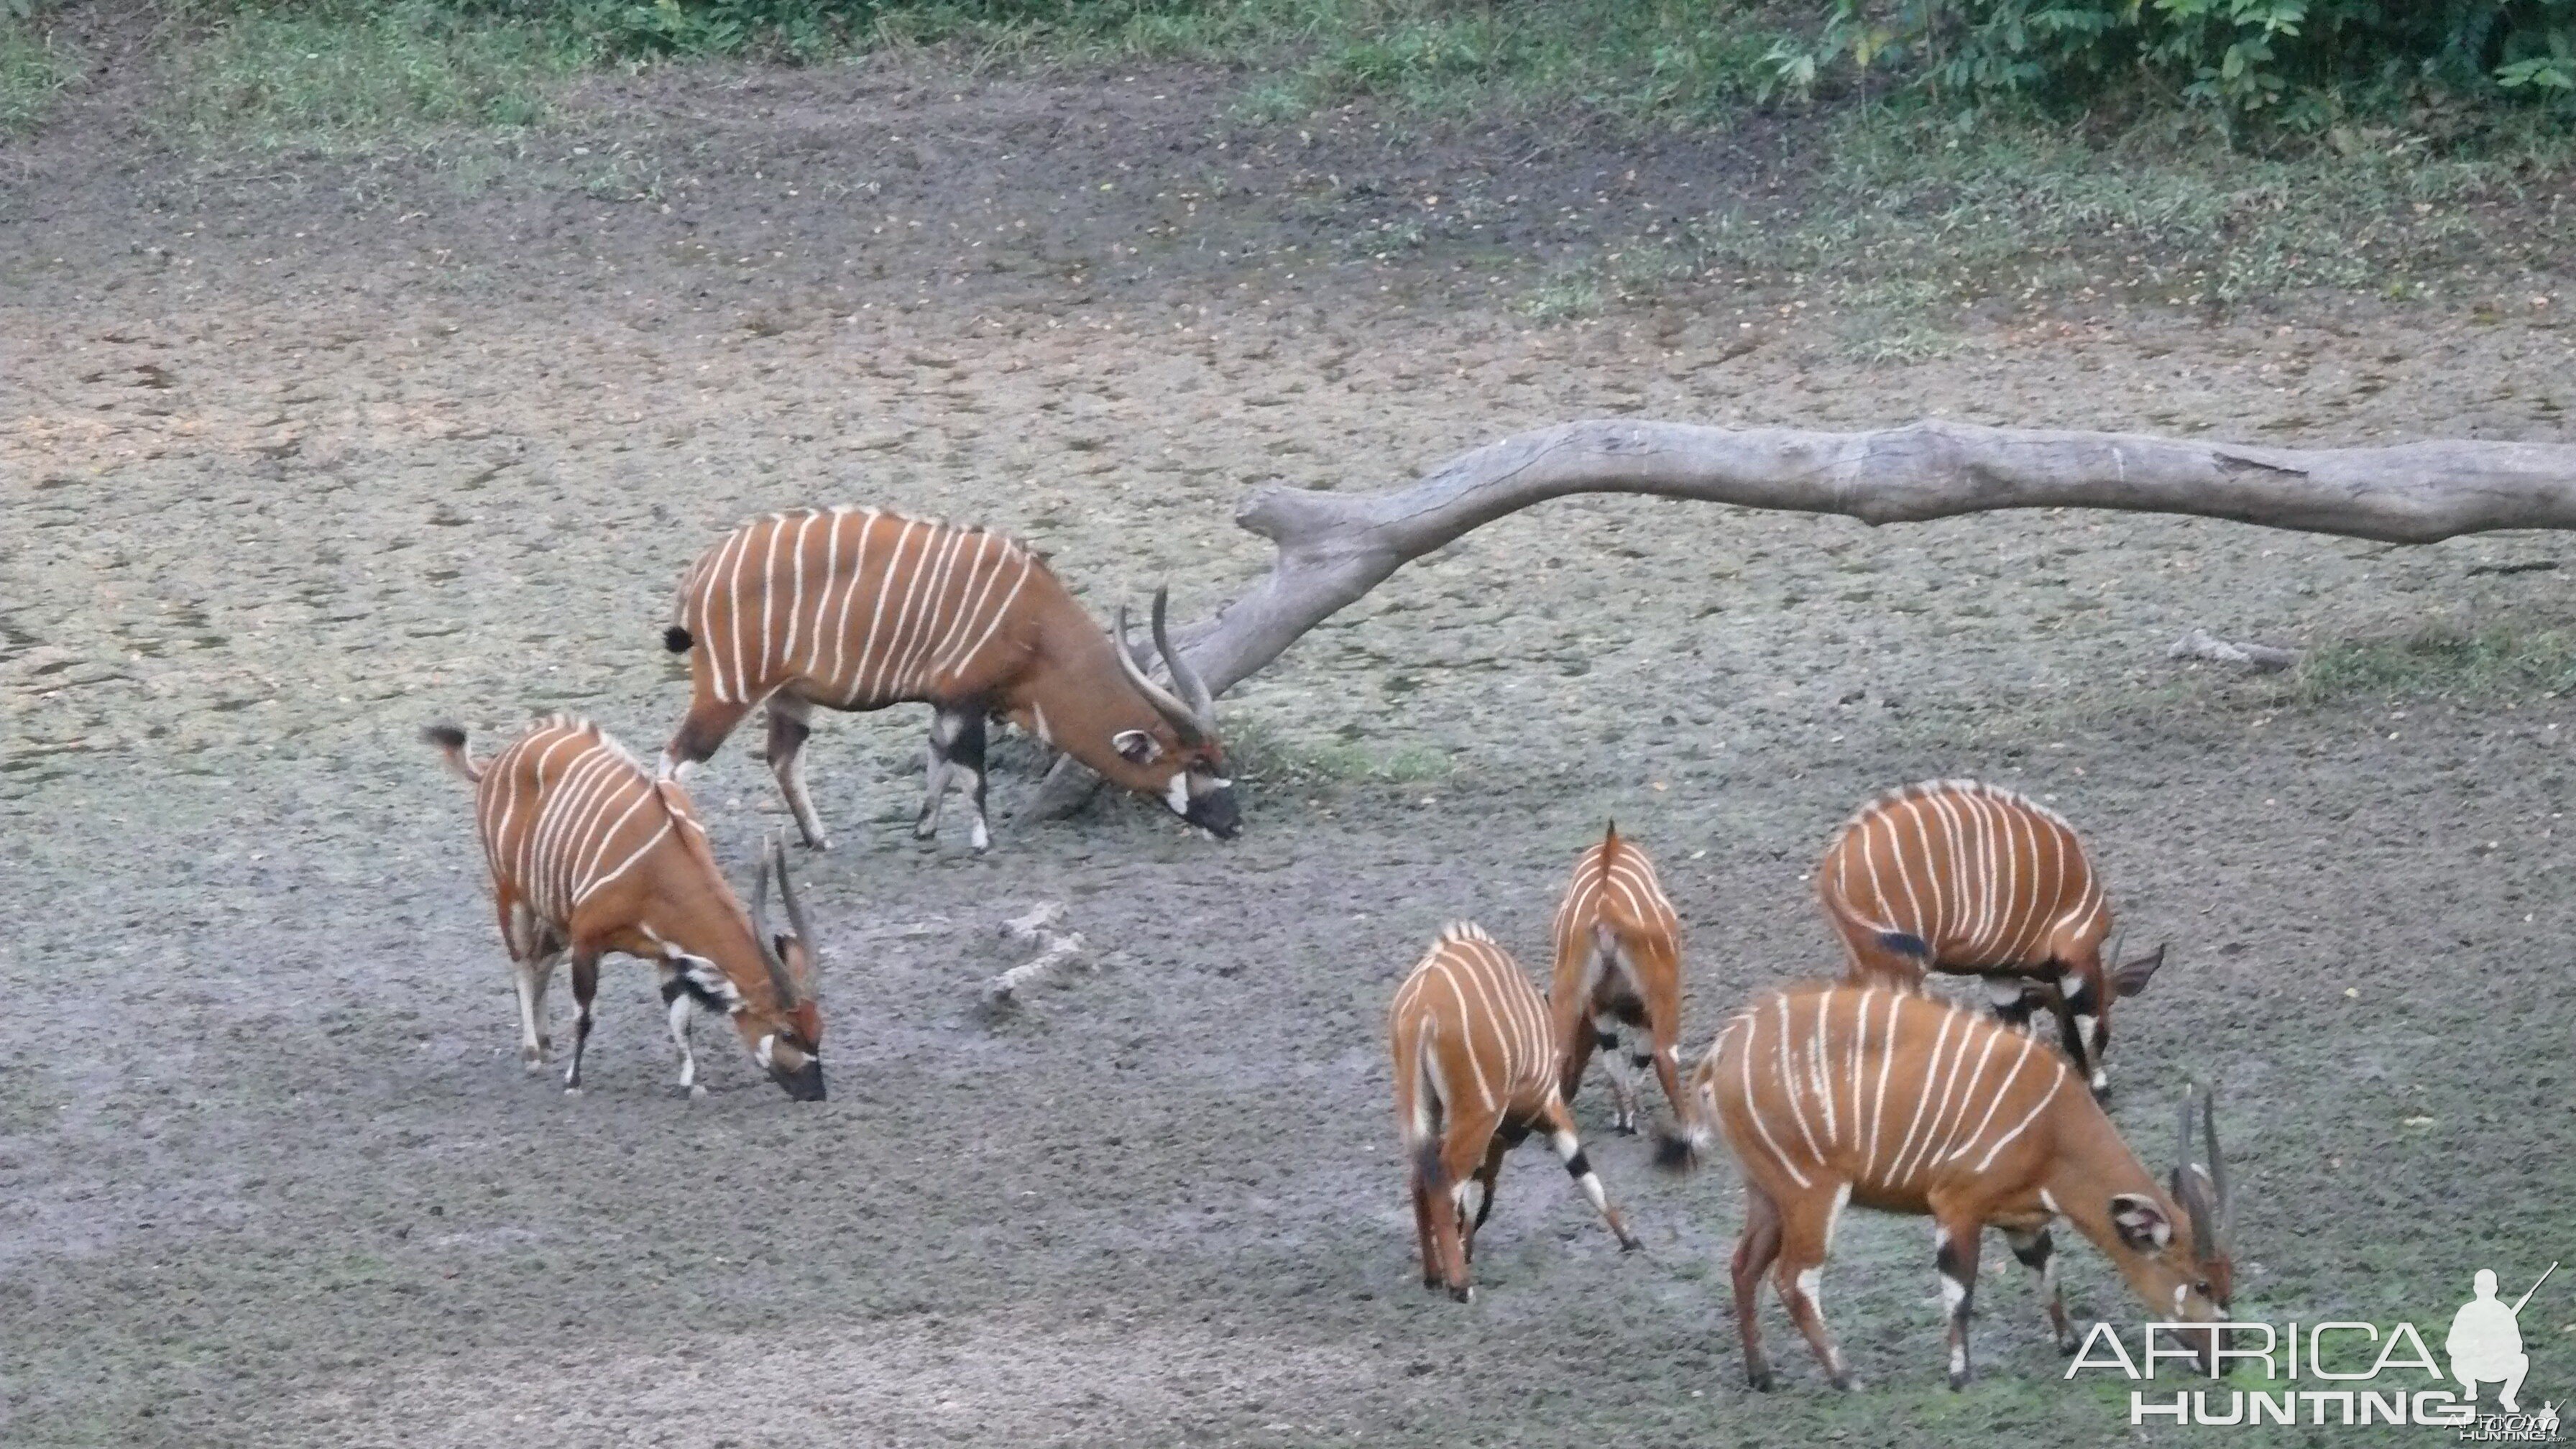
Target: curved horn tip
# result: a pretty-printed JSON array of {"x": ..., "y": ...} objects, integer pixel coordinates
[
  {"x": 1194, "y": 692},
  {"x": 1175, "y": 709},
  {"x": 2217, "y": 1166}
]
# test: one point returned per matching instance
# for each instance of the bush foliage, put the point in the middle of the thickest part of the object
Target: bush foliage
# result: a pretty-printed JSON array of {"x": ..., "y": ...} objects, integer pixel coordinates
[{"x": 2298, "y": 58}]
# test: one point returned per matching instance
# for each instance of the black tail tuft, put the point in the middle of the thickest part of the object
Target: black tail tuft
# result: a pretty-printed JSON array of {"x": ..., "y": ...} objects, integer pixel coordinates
[
  {"x": 1674, "y": 1152},
  {"x": 1909, "y": 945},
  {"x": 678, "y": 640},
  {"x": 445, "y": 736}
]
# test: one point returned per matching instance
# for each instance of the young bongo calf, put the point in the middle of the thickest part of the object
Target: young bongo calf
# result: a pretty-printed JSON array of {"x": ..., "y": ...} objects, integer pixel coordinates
[
  {"x": 1475, "y": 1072},
  {"x": 589, "y": 854},
  {"x": 1829, "y": 1096},
  {"x": 1968, "y": 878},
  {"x": 1618, "y": 963}
]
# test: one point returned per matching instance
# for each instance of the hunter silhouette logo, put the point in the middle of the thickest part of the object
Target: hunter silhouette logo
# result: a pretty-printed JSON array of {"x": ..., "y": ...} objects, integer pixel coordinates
[
  {"x": 2336, "y": 1372},
  {"x": 2485, "y": 1345}
]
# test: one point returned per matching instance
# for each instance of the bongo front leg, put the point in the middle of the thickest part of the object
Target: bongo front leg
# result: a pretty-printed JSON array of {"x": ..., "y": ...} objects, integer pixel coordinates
[
  {"x": 2037, "y": 1251},
  {"x": 585, "y": 989}
]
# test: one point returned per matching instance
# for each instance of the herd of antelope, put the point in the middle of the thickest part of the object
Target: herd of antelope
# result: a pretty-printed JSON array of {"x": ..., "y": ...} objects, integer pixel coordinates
[{"x": 1870, "y": 1089}]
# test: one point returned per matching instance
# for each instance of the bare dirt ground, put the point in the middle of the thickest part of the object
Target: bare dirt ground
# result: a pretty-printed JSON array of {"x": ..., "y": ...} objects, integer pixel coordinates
[{"x": 302, "y": 453}]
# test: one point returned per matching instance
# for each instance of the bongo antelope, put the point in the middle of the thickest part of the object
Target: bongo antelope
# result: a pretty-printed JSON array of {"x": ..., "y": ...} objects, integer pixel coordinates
[
  {"x": 1967, "y": 878},
  {"x": 1475, "y": 1072},
  {"x": 1618, "y": 963},
  {"x": 853, "y": 609},
  {"x": 589, "y": 854},
  {"x": 1885, "y": 1097}
]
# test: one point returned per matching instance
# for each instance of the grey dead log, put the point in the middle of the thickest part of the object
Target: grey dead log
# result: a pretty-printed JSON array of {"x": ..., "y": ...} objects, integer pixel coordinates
[
  {"x": 1335, "y": 547},
  {"x": 2261, "y": 658},
  {"x": 1056, "y": 950}
]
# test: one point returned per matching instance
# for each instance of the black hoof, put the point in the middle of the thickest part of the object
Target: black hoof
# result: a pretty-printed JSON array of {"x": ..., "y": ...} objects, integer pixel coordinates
[
  {"x": 1845, "y": 1382},
  {"x": 1958, "y": 1381},
  {"x": 1760, "y": 1379},
  {"x": 1464, "y": 1294},
  {"x": 1632, "y": 1245}
]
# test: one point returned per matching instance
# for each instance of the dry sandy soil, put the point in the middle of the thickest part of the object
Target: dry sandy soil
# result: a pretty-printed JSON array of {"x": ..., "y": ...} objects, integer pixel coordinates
[{"x": 301, "y": 453}]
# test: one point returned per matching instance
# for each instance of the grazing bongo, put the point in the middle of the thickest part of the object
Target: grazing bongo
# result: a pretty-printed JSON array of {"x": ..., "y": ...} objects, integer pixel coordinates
[
  {"x": 1618, "y": 964},
  {"x": 589, "y": 854},
  {"x": 853, "y": 609},
  {"x": 1888, "y": 1098},
  {"x": 1475, "y": 1072},
  {"x": 1962, "y": 877}
]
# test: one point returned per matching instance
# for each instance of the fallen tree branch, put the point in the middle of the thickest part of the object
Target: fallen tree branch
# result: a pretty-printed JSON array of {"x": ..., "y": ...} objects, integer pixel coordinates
[
  {"x": 1333, "y": 548},
  {"x": 1057, "y": 950},
  {"x": 2261, "y": 658}
]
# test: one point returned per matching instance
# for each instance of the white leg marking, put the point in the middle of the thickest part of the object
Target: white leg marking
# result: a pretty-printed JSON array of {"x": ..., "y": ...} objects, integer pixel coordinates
[{"x": 683, "y": 1011}]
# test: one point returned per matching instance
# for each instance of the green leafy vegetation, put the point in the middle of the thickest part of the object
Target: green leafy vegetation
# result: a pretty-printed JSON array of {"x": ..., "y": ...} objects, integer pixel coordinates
[
  {"x": 33, "y": 68},
  {"x": 2306, "y": 62}
]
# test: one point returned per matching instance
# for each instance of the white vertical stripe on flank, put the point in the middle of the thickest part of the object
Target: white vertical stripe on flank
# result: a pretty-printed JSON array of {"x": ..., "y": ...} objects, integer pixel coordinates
[
  {"x": 586, "y": 877},
  {"x": 1816, "y": 1068},
  {"x": 734, "y": 598},
  {"x": 894, "y": 558},
  {"x": 1878, "y": 1102},
  {"x": 769, "y": 582},
  {"x": 723, "y": 585},
  {"x": 974, "y": 587},
  {"x": 827, "y": 666},
  {"x": 1788, "y": 1057},
  {"x": 1859, "y": 1040},
  {"x": 1027, "y": 562},
  {"x": 904, "y": 569},
  {"x": 796, "y": 595},
  {"x": 2056, "y": 1079},
  {"x": 1466, "y": 1030},
  {"x": 1918, "y": 814},
  {"x": 859, "y": 556},
  {"x": 2027, "y": 883},
  {"x": 598, "y": 883},
  {"x": 1967, "y": 1098},
  {"x": 1752, "y": 1105},
  {"x": 1942, "y": 1120},
  {"x": 936, "y": 614},
  {"x": 1992, "y": 868},
  {"x": 1935, "y": 816},
  {"x": 1922, "y": 1099},
  {"x": 2001, "y": 1092},
  {"x": 1894, "y": 856},
  {"x": 920, "y": 602},
  {"x": 933, "y": 614}
]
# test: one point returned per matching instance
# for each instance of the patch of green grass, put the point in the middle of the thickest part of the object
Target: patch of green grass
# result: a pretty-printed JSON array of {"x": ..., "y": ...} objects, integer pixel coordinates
[
  {"x": 346, "y": 76},
  {"x": 1640, "y": 61},
  {"x": 34, "y": 68},
  {"x": 2021, "y": 210},
  {"x": 1909, "y": 217},
  {"x": 1260, "y": 753},
  {"x": 1565, "y": 294},
  {"x": 2485, "y": 665}
]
